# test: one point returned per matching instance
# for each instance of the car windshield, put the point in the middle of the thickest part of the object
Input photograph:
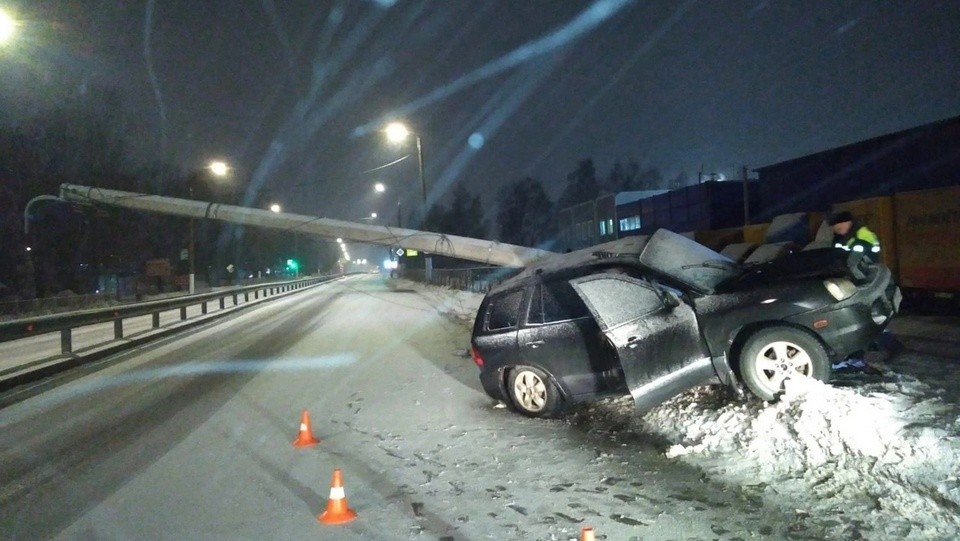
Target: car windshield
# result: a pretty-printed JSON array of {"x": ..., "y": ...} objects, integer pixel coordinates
[{"x": 687, "y": 261}]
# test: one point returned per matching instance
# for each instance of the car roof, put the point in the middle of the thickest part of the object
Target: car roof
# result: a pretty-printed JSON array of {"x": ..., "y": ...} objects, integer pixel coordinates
[{"x": 620, "y": 252}]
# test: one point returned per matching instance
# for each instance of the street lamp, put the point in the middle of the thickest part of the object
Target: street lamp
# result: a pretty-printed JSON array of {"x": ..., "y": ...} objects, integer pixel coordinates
[
  {"x": 8, "y": 27},
  {"x": 379, "y": 187},
  {"x": 275, "y": 208},
  {"x": 397, "y": 132},
  {"x": 219, "y": 168}
]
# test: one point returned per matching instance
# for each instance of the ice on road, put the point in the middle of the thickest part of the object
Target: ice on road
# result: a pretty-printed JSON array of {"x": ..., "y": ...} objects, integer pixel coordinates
[{"x": 190, "y": 438}]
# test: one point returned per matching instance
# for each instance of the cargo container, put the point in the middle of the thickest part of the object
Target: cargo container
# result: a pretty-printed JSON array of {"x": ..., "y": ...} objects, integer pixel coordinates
[
  {"x": 755, "y": 233},
  {"x": 719, "y": 239},
  {"x": 928, "y": 240}
]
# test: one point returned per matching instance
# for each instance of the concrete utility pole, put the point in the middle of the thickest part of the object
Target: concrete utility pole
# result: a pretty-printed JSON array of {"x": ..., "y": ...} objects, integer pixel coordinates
[{"x": 482, "y": 251}]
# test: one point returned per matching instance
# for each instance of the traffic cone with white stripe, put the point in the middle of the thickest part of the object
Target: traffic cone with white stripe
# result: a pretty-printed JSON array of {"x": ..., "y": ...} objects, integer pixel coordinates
[
  {"x": 337, "y": 511},
  {"x": 586, "y": 534},
  {"x": 305, "y": 436}
]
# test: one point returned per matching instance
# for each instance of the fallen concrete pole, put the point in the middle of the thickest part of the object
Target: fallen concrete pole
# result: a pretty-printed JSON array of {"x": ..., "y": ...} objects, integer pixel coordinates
[{"x": 482, "y": 251}]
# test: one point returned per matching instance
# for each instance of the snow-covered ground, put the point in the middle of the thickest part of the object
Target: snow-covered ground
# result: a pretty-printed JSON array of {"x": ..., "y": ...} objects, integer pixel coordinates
[
  {"x": 189, "y": 437},
  {"x": 867, "y": 456}
]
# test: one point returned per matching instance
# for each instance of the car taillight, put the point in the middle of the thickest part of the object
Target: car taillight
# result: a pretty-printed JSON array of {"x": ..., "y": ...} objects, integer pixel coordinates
[{"x": 476, "y": 356}]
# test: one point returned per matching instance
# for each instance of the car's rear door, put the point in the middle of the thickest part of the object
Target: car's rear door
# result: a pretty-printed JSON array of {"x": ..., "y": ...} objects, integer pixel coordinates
[
  {"x": 658, "y": 343},
  {"x": 561, "y": 336},
  {"x": 496, "y": 333}
]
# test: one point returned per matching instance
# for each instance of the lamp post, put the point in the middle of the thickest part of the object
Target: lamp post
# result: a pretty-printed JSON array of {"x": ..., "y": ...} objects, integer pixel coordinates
[
  {"x": 380, "y": 188},
  {"x": 398, "y": 132},
  {"x": 218, "y": 169}
]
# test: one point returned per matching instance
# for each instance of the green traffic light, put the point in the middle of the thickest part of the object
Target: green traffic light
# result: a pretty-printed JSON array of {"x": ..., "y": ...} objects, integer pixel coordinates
[{"x": 293, "y": 265}]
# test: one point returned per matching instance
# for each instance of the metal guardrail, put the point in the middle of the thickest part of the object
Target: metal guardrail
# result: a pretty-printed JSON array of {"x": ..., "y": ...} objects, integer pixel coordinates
[
  {"x": 23, "y": 308},
  {"x": 65, "y": 323}
]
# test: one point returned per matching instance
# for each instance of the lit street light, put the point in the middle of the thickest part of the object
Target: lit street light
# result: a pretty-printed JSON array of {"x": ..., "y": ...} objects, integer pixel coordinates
[
  {"x": 397, "y": 132},
  {"x": 274, "y": 208},
  {"x": 339, "y": 240},
  {"x": 379, "y": 187},
  {"x": 373, "y": 214},
  {"x": 7, "y": 27},
  {"x": 219, "y": 168}
]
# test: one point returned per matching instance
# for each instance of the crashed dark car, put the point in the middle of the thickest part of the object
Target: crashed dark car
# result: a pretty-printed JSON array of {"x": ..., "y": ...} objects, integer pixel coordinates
[{"x": 655, "y": 316}]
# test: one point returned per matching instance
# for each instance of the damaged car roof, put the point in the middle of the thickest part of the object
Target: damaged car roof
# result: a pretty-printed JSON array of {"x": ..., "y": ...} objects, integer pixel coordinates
[{"x": 665, "y": 253}]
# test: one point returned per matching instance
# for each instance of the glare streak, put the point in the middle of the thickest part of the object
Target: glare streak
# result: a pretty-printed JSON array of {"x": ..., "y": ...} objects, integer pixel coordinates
[
  {"x": 154, "y": 82},
  {"x": 587, "y": 20},
  {"x": 640, "y": 52}
]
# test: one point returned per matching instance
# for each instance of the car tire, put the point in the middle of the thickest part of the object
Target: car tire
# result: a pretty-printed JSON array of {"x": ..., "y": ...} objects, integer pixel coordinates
[
  {"x": 774, "y": 354},
  {"x": 532, "y": 392}
]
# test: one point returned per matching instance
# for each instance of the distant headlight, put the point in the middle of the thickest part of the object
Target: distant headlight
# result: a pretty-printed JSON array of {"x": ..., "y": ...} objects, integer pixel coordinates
[{"x": 840, "y": 288}]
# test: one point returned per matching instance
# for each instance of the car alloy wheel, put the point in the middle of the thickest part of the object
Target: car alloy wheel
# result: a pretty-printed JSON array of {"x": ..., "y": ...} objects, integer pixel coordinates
[
  {"x": 774, "y": 355},
  {"x": 532, "y": 392},
  {"x": 780, "y": 360}
]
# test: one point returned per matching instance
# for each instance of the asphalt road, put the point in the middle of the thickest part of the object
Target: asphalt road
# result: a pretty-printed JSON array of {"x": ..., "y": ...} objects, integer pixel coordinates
[{"x": 190, "y": 438}]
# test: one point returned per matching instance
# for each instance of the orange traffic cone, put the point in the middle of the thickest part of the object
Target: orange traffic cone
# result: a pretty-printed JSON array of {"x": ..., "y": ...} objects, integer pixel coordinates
[
  {"x": 337, "y": 511},
  {"x": 305, "y": 436},
  {"x": 586, "y": 534}
]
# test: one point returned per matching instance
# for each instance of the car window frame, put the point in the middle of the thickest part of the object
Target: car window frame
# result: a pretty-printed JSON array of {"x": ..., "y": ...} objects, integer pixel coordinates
[
  {"x": 538, "y": 290},
  {"x": 522, "y": 309},
  {"x": 646, "y": 284}
]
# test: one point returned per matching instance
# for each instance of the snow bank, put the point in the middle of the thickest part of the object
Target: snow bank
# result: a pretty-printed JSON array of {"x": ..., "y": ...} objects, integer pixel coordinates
[
  {"x": 457, "y": 304},
  {"x": 878, "y": 461}
]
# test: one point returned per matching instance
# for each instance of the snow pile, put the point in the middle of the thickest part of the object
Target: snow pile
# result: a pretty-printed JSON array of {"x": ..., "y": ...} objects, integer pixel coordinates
[
  {"x": 457, "y": 304},
  {"x": 880, "y": 461}
]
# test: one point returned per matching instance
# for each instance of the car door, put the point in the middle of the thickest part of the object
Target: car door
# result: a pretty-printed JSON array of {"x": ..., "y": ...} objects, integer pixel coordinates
[
  {"x": 495, "y": 334},
  {"x": 562, "y": 337},
  {"x": 655, "y": 335}
]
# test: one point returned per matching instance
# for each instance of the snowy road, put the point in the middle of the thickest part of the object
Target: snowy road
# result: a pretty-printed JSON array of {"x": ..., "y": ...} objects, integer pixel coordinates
[{"x": 190, "y": 438}]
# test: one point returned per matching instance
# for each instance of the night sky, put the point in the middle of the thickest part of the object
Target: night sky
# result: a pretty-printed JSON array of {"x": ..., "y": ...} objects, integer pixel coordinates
[{"x": 292, "y": 92}]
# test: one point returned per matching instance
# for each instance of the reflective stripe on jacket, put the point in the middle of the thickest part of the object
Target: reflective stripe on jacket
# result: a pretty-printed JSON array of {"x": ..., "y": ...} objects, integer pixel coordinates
[{"x": 861, "y": 241}]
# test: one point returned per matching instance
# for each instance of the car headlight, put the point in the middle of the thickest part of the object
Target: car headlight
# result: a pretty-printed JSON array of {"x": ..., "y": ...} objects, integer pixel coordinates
[{"x": 840, "y": 288}]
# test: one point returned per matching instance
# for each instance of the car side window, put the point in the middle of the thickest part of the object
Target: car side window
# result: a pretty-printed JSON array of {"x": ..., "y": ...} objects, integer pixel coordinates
[
  {"x": 618, "y": 299},
  {"x": 503, "y": 311},
  {"x": 555, "y": 301}
]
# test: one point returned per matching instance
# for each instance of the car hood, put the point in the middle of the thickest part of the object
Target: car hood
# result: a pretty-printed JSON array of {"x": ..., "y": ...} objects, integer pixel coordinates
[
  {"x": 686, "y": 261},
  {"x": 819, "y": 263}
]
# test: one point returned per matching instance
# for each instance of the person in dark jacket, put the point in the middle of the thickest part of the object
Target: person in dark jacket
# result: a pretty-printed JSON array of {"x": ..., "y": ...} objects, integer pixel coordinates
[{"x": 849, "y": 235}]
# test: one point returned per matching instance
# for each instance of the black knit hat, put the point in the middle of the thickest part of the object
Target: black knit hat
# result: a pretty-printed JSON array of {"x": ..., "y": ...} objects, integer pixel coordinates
[{"x": 840, "y": 217}]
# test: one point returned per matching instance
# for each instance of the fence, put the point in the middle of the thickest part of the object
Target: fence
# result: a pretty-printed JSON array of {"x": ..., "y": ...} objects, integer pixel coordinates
[{"x": 476, "y": 279}]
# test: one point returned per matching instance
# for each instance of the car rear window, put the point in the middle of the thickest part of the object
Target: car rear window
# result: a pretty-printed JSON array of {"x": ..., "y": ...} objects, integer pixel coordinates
[
  {"x": 555, "y": 301},
  {"x": 503, "y": 311}
]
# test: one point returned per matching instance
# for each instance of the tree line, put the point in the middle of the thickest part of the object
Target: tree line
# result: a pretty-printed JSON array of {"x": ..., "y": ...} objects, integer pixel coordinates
[{"x": 526, "y": 215}]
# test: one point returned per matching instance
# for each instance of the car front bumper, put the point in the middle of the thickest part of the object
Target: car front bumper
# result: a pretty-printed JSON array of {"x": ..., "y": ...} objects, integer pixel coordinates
[{"x": 855, "y": 323}]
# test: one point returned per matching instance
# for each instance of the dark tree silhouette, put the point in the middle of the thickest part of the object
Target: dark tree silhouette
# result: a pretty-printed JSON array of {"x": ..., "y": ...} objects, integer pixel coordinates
[{"x": 525, "y": 213}]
